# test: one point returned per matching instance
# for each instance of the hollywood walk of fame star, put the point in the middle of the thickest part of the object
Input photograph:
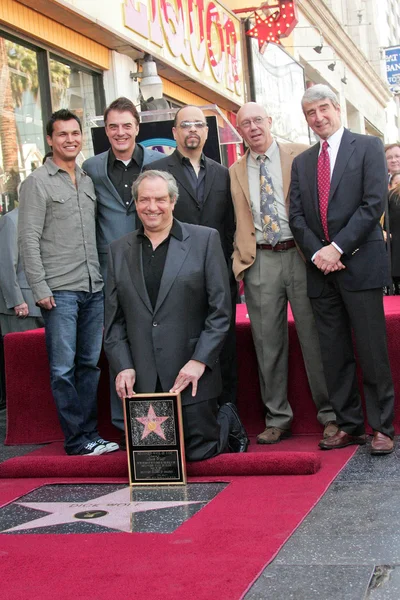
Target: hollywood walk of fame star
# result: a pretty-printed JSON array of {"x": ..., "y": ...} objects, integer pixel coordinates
[
  {"x": 152, "y": 424},
  {"x": 113, "y": 510}
]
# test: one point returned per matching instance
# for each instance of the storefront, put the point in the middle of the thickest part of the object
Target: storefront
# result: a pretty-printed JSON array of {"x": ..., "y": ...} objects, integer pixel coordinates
[
  {"x": 80, "y": 55},
  {"x": 43, "y": 67}
]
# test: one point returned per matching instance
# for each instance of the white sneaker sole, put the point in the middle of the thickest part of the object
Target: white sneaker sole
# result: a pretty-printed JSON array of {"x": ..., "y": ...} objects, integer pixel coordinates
[
  {"x": 99, "y": 450},
  {"x": 111, "y": 447}
]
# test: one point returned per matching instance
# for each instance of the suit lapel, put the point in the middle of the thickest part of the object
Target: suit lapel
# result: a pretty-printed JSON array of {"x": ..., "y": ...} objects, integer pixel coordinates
[
  {"x": 177, "y": 170},
  {"x": 135, "y": 265},
  {"x": 286, "y": 166},
  {"x": 346, "y": 149},
  {"x": 210, "y": 176},
  {"x": 105, "y": 178},
  {"x": 311, "y": 172},
  {"x": 176, "y": 256},
  {"x": 242, "y": 176}
]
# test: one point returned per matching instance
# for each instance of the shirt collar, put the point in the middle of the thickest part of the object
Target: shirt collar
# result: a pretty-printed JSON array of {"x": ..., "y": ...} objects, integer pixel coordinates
[
  {"x": 176, "y": 231},
  {"x": 53, "y": 169},
  {"x": 136, "y": 156},
  {"x": 269, "y": 152},
  {"x": 185, "y": 160},
  {"x": 335, "y": 139}
]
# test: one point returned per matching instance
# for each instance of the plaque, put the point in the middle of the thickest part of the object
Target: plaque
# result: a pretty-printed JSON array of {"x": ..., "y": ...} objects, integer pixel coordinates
[{"x": 154, "y": 439}]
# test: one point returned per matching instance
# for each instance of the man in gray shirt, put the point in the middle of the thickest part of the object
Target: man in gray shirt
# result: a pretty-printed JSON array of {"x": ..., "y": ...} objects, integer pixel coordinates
[{"x": 58, "y": 247}]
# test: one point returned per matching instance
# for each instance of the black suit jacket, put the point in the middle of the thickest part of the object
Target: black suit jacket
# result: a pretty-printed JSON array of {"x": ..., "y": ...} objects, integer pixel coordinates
[
  {"x": 190, "y": 320},
  {"x": 356, "y": 203},
  {"x": 217, "y": 210}
]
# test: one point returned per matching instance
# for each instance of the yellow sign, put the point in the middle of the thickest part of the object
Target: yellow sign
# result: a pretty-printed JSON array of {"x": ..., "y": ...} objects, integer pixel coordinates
[{"x": 198, "y": 37}]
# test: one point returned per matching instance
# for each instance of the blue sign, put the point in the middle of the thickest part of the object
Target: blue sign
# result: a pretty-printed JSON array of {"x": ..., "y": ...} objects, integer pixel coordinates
[{"x": 392, "y": 56}]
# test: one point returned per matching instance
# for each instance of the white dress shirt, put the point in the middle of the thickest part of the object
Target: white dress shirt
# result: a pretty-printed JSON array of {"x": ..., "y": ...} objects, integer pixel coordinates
[{"x": 333, "y": 146}]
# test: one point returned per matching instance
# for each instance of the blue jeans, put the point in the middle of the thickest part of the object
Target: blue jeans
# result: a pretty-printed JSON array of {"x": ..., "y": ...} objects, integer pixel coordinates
[{"x": 74, "y": 332}]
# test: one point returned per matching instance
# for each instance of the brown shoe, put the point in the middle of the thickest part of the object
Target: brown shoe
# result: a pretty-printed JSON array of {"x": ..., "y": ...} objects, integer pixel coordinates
[
  {"x": 330, "y": 429},
  {"x": 273, "y": 435},
  {"x": 381, "y": 444},
  {"x": 342, "y": 439}
]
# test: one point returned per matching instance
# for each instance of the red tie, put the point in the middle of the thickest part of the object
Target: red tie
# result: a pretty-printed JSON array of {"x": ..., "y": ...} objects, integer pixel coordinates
[{"x": 324, "y": 184}]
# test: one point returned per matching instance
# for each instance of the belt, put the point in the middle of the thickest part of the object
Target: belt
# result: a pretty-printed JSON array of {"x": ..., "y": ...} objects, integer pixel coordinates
[{"x": 279, "y": 247}]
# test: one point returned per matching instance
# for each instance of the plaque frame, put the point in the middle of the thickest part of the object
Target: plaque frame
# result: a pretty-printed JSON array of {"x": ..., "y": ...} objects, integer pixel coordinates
[{"x": 143, "y": 448}]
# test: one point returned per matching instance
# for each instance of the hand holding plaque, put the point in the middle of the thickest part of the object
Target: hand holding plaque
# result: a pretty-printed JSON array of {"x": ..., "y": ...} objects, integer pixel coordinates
[
  {"x": 124, "y": 382},
  {"x": 190, "y": 373}
]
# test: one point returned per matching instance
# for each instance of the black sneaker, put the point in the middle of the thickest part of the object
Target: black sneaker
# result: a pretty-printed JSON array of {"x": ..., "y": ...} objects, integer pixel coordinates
[{"x": 92, "y": 449}]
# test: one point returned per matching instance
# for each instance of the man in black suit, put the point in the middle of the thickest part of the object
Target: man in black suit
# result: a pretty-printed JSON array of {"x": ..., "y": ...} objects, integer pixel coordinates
[
  {"x": 337, "y": 197},
  {"x": 167, "y": 316},
  {"x": 205, "y": 199}
]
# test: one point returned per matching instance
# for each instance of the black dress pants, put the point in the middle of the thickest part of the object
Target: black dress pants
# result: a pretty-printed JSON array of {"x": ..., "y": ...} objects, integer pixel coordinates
[
  {"x": 228, "y": 358},
  {"x": 206, "y": 430},
  {"x": 339, "y": 312}
]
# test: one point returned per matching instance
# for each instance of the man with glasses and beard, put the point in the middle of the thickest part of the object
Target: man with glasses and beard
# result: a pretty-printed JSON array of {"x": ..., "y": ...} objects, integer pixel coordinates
[{"x": 205, "y": 199}]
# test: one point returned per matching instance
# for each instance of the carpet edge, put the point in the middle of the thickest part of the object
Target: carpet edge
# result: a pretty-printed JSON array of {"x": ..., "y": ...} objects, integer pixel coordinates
[{"x": 327, "y": 486}]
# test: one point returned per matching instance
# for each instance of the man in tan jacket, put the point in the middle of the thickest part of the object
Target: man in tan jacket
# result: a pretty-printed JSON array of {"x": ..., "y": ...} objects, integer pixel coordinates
[{"x": 266, "y": 257}]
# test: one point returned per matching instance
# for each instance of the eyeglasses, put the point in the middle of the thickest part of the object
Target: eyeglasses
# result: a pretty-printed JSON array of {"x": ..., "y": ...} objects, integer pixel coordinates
[
  {"x": 190, "y": 124},
  {"x": 257, "y": 121}
]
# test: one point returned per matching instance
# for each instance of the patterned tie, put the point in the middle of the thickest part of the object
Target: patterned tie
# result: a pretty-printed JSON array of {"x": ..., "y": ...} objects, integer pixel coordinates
[
  {"x": 268, "y": 209},
  {"x": 324, "y": 185}
]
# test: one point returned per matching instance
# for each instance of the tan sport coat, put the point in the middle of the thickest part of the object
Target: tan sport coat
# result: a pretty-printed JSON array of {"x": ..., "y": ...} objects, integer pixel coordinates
[{"x": 244, "y": 247}]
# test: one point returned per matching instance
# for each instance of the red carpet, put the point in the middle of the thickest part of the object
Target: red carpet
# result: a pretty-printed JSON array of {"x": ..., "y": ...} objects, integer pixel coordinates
[
  {"x": 32, "y": 416},
  {"x": 51, "y": 461},
  {"x": 216, "y": 554}
]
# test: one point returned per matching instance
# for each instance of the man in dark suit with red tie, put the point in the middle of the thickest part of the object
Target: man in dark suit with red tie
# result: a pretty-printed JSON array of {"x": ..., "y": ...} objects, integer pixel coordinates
[{"x": 337, "y": 198}]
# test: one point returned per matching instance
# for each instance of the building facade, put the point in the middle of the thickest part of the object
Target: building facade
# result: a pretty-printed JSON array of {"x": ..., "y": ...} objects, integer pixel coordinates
[
  {"x": 82, "y": 54},
  {"x": 339, "y": 43}
]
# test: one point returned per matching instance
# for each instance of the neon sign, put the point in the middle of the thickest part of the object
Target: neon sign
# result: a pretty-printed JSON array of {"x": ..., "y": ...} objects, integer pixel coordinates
[
  {"x": 200, "y": 33},
  {"x": 275, "y": 19}
]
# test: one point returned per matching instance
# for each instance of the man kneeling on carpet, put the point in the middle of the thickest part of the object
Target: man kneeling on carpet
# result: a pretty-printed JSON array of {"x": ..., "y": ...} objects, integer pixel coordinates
[
  {"x": 58, "y": 247},
  {"x": 167, "y": 307}
]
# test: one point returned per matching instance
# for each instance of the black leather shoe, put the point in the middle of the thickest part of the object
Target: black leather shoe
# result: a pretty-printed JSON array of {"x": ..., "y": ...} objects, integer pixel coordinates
[
  {"x": 236, "y": 444},
  {"x": 237, "y": 439}
]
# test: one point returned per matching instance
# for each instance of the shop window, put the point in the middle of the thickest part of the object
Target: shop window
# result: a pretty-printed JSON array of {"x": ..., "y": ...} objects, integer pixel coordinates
[
  {"x": 74, "y": 89},
  {"x": 33, "y": 84},
  {"x": 21, "y": 129}
]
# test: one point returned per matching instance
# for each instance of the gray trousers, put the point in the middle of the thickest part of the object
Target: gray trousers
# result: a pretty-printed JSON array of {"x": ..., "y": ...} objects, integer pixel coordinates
[
  {"x": 12, "y": 324},
  {"x": 275, "y": 279}
]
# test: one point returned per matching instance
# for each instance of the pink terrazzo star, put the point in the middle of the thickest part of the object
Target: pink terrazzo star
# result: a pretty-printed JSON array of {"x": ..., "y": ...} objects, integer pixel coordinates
[{"x": 152, "y": 424}]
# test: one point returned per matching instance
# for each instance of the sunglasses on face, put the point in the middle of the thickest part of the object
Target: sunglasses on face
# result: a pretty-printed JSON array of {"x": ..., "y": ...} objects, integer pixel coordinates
[{"x": 190, "y": 124}]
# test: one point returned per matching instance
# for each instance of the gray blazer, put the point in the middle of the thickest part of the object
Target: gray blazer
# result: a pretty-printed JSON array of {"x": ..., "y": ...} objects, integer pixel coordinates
[
  {"x": 114, "y": 218},
  {"x": 190, "y": 320},
  {"x": 14, "y": 288}
]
